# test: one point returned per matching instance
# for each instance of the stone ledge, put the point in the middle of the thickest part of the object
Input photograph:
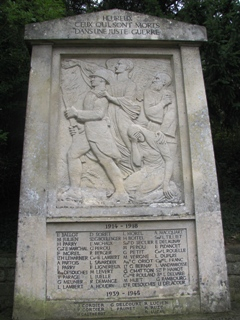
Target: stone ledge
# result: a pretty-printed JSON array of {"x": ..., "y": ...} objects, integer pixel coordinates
[
  {"x": 233, "y": 268},
  {"x": 234, "y": 281},
  {"x": 219, "y": 316}
]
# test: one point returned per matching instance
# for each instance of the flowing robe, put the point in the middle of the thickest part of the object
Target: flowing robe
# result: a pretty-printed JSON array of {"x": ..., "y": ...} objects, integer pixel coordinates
[{"x": 121, "y": 116}]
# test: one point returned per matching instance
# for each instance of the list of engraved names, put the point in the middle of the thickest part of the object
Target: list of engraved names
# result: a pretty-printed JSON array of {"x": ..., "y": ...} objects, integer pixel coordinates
[{"x": 122, "y": 259}]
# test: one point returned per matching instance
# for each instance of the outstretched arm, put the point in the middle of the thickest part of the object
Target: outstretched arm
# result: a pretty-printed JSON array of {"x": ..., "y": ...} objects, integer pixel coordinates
[{"x": 97, "y": 113}]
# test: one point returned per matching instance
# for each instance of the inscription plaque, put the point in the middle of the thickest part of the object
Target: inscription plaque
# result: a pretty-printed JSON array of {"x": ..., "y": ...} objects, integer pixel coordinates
[
  {"x": 123, "y": 261},
  {"x": 149, "y": 258}
]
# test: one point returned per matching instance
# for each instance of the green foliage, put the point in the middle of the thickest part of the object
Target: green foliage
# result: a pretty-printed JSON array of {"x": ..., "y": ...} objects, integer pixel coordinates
[
  {"x": 160, "y": 8},
  {"x": 21, "y": 12},
  {"x": 220, "y": 56},
  {"x": 221, "y": 66},
  {"x": 79, "y": 6},
  {"x": 3, "y": 136},
  {"x": 14, "y": 57},
  {"x": 227, "y": 152},
  {"x": 14, "y": 66}
]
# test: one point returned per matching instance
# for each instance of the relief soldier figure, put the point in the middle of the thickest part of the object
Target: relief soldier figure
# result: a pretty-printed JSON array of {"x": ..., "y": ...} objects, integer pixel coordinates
[{"x": 94, "y": 135}]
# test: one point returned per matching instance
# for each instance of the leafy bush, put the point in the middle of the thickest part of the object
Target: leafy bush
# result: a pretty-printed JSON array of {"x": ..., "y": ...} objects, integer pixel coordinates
[
  {"x": 227, "y": 152},
  {"x": 14, "y": 66},
  {"x": 221, "y": 66}
]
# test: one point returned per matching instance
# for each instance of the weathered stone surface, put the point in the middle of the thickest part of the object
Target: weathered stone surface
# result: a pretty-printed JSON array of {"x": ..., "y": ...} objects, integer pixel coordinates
[
  {"x": 34, "y": 168},
  {"x": 30, "y": 284},
  {"x": 119, "y": 209},
  {"x": 212, "y": 265}
]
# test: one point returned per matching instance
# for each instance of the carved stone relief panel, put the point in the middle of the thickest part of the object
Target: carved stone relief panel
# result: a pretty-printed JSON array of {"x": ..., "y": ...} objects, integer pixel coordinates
[{"x": 118, "y": 133}]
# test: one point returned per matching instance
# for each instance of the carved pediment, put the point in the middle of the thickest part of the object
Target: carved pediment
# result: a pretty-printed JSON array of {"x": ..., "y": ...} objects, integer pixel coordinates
[{"x": 115, "y": 25}]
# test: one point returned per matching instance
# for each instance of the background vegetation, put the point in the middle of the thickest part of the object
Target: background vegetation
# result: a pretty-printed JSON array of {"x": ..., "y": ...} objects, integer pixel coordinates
[{"x": 221, "y": 66}]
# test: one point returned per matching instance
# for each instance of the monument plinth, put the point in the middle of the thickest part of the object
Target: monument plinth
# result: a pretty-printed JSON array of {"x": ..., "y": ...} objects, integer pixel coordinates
[{"x": 119, "y": 209}]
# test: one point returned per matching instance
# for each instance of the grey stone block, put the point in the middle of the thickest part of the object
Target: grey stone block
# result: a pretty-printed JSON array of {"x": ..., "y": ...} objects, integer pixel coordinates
[
  {"x": 233, "y": 249},
  {"x": 6, "y": 289},
  {"x": 234, "y": 281},
  {"x": 233, "y": 257},
  {"x": 2, "y": 275},
  {"x": 7, "y": 261},
  {"x": 10, "y": 274},
  {"x": 233, "y": 268}
]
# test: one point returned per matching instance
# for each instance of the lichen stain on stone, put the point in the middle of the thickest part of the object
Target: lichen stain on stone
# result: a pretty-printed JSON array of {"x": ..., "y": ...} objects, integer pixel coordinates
[
  {"x": 26, "y": 308},
  {"x": 32, "y": 195}
]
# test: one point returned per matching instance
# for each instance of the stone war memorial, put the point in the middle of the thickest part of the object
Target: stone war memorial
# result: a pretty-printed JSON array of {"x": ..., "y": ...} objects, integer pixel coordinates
[{"x": 119, "y": 208}]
